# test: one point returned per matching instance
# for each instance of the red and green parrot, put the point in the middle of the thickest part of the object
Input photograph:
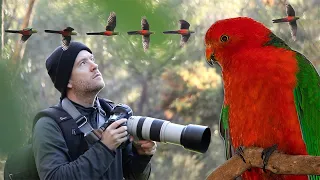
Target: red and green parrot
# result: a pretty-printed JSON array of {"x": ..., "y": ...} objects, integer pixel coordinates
[
  {"x": 184, "y": 31},
  {"x": 291, "y": 19},
  {"x": 111, "y": 25},
  {"x": 145, "y": 32},
  {"x": 271, "y": 93},
  {"x": 26, "y": 33},
  {"x": 66, "y": 36}
]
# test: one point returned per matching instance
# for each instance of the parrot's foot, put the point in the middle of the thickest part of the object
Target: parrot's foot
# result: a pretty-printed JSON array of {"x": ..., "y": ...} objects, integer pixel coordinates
[
  {"x": 239, "y": 151},
  {"x": 265, "y": 155}
]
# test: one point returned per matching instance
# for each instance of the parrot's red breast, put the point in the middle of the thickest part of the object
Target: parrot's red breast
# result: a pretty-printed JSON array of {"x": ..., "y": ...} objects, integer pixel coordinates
[
  {"x": 183, "y": 31},
  {"x": 26, "y": 32},
  {"x": 144, "y": 32},
  {"x": 290, "y": 18},
  {"x": 65, "y": 33},
  {"x": 108, "y": 33}
]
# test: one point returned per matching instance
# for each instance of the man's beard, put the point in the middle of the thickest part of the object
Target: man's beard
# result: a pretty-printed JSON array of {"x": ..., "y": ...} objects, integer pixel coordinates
[{"x": 83, "y": 88}]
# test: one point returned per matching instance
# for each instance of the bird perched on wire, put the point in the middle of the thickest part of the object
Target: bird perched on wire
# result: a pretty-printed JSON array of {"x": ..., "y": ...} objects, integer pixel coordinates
[
  {"x": 66, "y": 36},
  {"x": 144, "y": 32},
  {"x": 291, "y": 18},
  {"x": 26, "y": 33},
  {"x": 184, "y": 31},
  {"x": 111, "y": 25}
]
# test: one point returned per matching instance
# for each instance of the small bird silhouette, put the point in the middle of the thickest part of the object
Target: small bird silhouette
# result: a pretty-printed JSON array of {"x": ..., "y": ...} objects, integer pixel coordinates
[
  {"x": 111, "y": 25},
  {"x": 184, "y": 31},
  {"x": 144, "y": 32},
  {"x": 26, "y": 33},
  {"x": 66, "y": 36},
  {"x": 291, "y": 18}
]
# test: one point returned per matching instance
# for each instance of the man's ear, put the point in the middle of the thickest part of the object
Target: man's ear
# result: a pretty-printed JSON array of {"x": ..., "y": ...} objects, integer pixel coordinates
[{"x": 69, "y": 85}]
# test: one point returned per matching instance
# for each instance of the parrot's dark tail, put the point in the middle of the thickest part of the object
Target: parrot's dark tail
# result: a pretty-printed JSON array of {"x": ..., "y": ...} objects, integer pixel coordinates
[
  {"x": 279, "y": 20},
  {"x": 95, "y": 33},
  {"x": 133, "y": 32},
  {"x": 170, "y": 32},
  {"x": 12, "y": 31},
  {"x": 52, "y": 31}
]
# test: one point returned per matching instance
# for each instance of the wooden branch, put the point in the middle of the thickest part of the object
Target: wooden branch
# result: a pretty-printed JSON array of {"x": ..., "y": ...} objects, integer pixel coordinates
[{"x": 278, "y": 163}]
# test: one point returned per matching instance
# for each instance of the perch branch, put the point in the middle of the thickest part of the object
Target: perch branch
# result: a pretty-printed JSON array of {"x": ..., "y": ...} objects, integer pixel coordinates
[{"x": 278, "y": 163}]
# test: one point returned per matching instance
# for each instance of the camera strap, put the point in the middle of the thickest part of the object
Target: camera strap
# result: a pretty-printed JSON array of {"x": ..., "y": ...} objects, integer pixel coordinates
[{"x": 81, "y": 121}]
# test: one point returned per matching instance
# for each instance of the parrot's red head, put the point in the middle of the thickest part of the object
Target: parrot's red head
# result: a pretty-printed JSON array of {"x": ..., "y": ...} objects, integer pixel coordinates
[{"x": 227, "y": 37}]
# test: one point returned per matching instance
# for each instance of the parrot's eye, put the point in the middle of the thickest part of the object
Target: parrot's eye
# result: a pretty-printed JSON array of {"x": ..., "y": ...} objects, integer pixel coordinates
[{"x": 224, "y": 38}]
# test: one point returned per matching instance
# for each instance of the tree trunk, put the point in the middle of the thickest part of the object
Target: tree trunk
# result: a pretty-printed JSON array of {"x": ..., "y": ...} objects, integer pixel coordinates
[{"x": 17, "y": 50}]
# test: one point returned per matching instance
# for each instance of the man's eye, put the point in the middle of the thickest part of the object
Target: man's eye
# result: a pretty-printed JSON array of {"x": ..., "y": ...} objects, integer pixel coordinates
[{"x": 82, "y": 63}]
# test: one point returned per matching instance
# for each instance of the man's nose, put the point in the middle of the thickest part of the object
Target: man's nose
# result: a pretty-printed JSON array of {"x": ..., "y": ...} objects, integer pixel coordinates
[{"x": 94, "y": 66}]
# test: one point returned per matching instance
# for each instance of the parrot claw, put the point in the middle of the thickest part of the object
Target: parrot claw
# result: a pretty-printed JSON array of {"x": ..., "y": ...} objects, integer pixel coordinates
[
  {"x": 265, "y": 155},
  {"x": 239, "y": 151}
]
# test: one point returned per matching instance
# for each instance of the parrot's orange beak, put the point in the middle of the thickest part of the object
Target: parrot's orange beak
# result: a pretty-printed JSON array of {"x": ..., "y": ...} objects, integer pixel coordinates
[{"x": 210, "y": 57}]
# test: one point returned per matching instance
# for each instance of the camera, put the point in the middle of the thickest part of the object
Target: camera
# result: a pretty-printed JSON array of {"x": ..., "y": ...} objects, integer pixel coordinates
[
  {"x": 192, "y": 137},
  {"x": 118, "y": 112}
]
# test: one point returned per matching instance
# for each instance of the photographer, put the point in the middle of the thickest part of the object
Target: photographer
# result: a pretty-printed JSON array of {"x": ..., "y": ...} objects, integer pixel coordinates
[{"x": 60, "y": 151}]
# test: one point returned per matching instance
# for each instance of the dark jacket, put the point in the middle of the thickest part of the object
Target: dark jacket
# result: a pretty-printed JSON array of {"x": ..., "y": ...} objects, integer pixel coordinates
[{"x": 98, "y": 162}]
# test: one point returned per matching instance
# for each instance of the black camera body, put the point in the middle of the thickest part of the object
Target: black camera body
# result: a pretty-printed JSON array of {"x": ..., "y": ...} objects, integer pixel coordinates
[{"x": 118, "y": 112}]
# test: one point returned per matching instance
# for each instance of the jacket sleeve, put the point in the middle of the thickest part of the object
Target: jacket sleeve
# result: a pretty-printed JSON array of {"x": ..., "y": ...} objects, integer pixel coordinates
[
  {"x": 135, "y": 166},
  {"x": 51, "y": 158}
]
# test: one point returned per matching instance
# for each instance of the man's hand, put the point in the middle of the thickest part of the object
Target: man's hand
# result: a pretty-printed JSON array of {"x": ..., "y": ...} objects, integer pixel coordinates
[
  {"x": 113, "y": 136},
  {"x": 145, "y": 147}
]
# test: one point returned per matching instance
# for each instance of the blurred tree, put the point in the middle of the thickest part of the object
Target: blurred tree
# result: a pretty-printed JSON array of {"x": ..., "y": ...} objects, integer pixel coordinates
[
  {"x": 14, "y": 125},
  {"x": 12, "y": 131},
  {"x": 187, "y": 88},
  {"x": 1, "y": 28},
  {"x": 18, "y": 46}
]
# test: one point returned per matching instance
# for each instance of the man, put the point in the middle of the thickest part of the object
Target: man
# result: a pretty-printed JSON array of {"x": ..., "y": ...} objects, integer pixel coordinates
[{"x": 75, "y": 74}]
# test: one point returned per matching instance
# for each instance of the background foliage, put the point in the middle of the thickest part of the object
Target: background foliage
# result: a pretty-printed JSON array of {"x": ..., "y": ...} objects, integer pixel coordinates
[{"x": 166, "y": 82}]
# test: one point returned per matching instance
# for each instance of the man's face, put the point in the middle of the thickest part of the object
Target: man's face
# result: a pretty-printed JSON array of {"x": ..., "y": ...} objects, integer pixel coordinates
[{"x": 85, "y": 76}]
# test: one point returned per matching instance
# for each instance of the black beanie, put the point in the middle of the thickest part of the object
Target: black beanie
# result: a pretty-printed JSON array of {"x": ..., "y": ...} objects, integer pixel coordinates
[{"x": 60, "y": 64}]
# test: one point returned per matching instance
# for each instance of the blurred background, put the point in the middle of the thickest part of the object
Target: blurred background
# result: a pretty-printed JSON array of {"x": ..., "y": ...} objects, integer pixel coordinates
[{"x": 167, "y": 82}]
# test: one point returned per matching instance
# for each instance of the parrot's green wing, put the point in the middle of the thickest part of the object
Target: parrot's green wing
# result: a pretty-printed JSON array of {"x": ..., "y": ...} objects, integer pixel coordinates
[
  {"x": 224, "y": 130},
  {"x": 307, "y": 100}
]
